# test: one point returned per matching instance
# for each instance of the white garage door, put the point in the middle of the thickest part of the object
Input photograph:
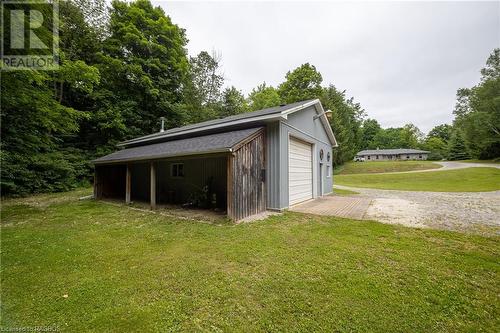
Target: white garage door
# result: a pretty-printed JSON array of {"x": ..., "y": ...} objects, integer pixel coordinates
[{"x": 299, "y": 171}]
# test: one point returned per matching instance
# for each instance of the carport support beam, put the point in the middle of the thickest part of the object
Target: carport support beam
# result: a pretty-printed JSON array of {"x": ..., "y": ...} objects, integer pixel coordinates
[
  {"x": 97, "y": 191},
  {"x": 153, "y": 185},
  {"x": 230, "y": 195},
  {"x": 128, "y": 185}
]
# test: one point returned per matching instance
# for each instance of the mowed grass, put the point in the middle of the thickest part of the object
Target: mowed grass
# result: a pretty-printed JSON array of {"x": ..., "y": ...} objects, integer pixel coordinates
[
  {"x": 341, "y": 191},
  {"x": 461, "y": 180},
  {"x": 86, "y": 266},
  {"x": 495, "y": 161},
  {"x": 381, "y": 167}
]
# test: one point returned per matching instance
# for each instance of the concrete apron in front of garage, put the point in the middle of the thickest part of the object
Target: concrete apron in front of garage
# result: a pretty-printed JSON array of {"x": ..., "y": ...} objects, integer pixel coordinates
[{"x": 348, "y": 207}]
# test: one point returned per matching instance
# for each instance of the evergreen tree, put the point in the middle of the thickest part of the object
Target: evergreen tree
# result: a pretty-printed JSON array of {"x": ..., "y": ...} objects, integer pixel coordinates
[
  {"x": 233, "y": 102},
  {"x": 345, "y": 120},
  {"x": 457, "y": 150}
]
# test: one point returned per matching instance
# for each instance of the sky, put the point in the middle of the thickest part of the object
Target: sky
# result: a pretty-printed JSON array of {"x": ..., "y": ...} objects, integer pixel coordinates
[{"x": 402, "y": 61}]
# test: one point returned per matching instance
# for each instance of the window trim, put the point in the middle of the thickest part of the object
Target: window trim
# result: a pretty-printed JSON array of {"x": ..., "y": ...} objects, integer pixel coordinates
[{"x": 172, "y": 170}]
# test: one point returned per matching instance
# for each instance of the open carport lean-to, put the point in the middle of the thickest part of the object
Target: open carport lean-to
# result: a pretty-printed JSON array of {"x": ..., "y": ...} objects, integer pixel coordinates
[{"x": 227, "y": 167}]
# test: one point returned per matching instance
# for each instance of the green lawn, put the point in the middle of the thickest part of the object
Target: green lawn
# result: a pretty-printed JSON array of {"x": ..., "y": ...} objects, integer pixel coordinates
[
  {"x": 495, "y": 161},
  {"x": 90, "y": 266},
  {"x": 340, "y": 191},
  {"x": 461, "y": 180},
  {"x": 381, "y": 167}
]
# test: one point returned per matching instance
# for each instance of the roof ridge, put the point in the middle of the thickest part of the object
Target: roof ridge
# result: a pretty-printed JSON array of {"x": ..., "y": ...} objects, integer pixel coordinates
[
  {"x": 206, "y": 144},
  {"x": 219, "y": 121},
  {"x": 391, "y": 150}
]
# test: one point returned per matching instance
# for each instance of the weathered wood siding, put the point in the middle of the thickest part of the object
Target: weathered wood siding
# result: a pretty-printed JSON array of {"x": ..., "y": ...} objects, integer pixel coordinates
[{"x": 246, "y": 184}]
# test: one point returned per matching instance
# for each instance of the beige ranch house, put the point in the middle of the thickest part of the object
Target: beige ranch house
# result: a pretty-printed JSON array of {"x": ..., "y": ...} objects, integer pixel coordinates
[{"x": 392, "y": 155}]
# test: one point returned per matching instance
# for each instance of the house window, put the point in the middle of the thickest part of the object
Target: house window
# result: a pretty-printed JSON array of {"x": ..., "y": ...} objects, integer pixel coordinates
[
  {"x": 177, "y": 170},
  {"x": 407, "y": 156},
  {"x": 328, "y": 172},
  {"x": 368, "y": 157},
  {"x": 377, "y": 157},
  {"x": 419, "y": 156}
]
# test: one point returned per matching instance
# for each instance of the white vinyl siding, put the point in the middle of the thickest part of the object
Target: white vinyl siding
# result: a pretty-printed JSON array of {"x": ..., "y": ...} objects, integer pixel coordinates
[{"x": 300, "y": 176}]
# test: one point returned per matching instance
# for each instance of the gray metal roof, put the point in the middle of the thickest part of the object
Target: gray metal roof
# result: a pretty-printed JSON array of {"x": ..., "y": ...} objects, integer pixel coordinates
[
  {"x": 207, "y": 144},
  {"x": 391, "y": 152},
  {"x": 277, "y": 110}
]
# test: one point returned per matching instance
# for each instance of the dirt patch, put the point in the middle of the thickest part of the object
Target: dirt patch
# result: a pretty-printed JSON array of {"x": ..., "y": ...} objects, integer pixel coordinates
[
  {"x": 396, "y": 211},
  {"x": 48, "y": 199},
  {"x": 202, "y": 215},
  {"x": 258, "y": 217}
]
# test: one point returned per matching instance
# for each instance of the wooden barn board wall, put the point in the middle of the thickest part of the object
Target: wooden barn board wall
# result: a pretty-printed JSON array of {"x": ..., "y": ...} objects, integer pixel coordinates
[{"x": 246, "y": 182}]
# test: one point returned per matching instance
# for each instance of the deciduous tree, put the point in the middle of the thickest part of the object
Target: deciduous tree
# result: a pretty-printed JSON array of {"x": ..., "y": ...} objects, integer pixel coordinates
[
  {"x": 369, "y": 129},
  {"x": 442, "y": 131},
  {"x": 477, "y": 112},
  {"x": 301, "y": 84},
  {"x": 263, "y": 97}
]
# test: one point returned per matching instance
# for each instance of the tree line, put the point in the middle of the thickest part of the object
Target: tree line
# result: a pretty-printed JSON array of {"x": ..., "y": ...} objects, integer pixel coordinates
[
  {"x": 474, "y": 132},
  {"x": 124, "y": 67}
]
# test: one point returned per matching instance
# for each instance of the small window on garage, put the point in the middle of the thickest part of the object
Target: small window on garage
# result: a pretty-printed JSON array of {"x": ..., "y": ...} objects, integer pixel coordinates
[{"x": 177, "y": 170}]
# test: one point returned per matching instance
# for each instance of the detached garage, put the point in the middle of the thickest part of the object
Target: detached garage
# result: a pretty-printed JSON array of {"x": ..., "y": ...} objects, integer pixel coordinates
[{"x": 269, "y": 159}]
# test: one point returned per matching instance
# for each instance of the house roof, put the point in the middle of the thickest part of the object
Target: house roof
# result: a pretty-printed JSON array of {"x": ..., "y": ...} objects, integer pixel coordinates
[
  {"x": 391, "y": 152},
  {"x": 207, "y": 144},
  {"x": 274, "y": 113}
]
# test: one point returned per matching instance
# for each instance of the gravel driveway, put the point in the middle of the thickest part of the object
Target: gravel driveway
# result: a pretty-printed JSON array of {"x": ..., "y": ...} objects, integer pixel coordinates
[
  {"x": 450, "y": 165},
  {"x": 462, "y": 165},
  {"x": 472, "y": 211}
]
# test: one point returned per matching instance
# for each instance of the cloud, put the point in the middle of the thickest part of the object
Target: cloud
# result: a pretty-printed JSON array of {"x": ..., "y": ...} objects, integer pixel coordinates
[{"x": 403, "y": 61}]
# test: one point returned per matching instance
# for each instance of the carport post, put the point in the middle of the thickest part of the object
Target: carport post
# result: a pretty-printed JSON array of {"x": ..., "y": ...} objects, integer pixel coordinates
[
  {"x": 153, "y": 185},
  {"x": 127, "y": 185},
  {"x": 97, "y": 193}
]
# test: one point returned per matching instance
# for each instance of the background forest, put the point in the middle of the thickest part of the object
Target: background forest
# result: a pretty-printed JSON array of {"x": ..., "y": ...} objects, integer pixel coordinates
[{"x": 124, "y": 67}]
